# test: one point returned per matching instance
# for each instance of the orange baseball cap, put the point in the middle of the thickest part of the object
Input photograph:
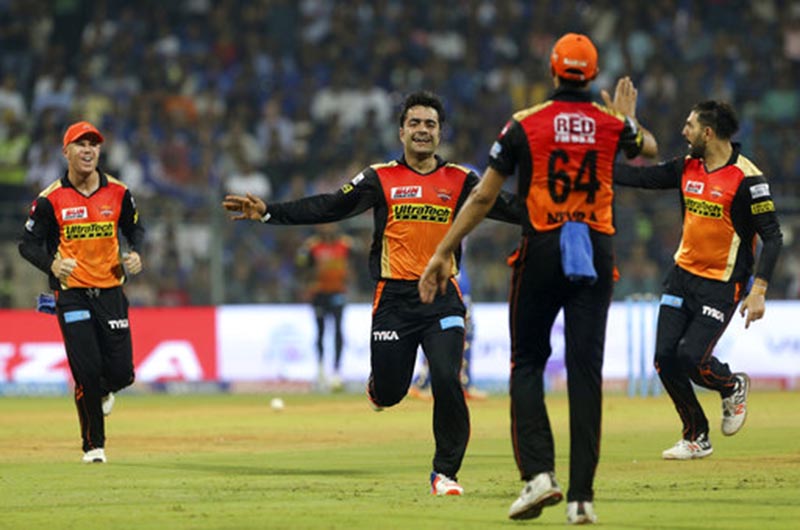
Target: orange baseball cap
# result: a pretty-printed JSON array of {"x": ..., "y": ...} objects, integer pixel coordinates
[
  {"x": 80, "y": 129},
  {"x": 574, "y": 57}
]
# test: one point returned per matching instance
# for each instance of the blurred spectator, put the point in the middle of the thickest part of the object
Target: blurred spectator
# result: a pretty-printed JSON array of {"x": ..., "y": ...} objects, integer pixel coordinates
[
  {"x": 12, "y": 101},
  {"x": 307, "y": 87},
  {"x": 14, "y": 142},
  {"x": 45, "y": 163}
]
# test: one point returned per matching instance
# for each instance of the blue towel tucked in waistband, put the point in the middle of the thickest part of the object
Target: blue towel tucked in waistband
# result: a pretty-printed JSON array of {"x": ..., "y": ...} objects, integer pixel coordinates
[{"x": 577, "y": 257}]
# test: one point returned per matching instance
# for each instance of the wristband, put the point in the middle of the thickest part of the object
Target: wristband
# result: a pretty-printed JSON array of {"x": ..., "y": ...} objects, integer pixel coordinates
[{"x": 266, "y": 217}]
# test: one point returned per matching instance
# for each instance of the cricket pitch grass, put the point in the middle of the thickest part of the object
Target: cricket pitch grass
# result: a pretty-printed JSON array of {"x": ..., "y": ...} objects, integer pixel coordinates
[{"x": 329, "y": 462}]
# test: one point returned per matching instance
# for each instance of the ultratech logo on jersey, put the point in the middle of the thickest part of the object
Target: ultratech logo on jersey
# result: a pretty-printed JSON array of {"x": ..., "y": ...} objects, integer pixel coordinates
[
  {"x": 704, "y": 208},
  {"x": 421, "y": 212},
  {"x": 574, "y": 128},
  {"x": 692, "y": 186},
  {"x": 407, "y": 192},
  {"x": 89, "y": 230},
  {"x": 76, "y": 212}
]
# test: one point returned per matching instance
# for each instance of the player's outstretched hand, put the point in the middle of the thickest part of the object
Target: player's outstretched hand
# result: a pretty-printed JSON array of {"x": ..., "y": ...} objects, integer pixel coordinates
[
  {"x": 624, "y": 97},
  {"x": 435, "y": 278},
  {"x": 248, "y": 207}
]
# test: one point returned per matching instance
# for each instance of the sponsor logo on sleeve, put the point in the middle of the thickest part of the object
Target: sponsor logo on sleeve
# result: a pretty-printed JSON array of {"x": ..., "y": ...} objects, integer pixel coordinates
[
  {"x": 406, "y": 192},
  {"x": 759, "y": 190},
  {"x": 358, "y": 178},
  {"x": 496, "y": 149},
  {"x": 762, "y": 207}
]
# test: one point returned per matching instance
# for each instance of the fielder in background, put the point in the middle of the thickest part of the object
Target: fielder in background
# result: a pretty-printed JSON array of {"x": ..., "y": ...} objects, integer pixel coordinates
[
  {"x": 726, "y": 202},
  {"x": 72, "y": 235},
  {"x": 326, "y": 255},
  {"x": 414, "y": 200},
  {"x": 562, "y": 152}
]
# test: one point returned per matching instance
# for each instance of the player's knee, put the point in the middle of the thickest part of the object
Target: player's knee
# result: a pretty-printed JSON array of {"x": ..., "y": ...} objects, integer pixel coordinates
[{"x": 120, "y": 378}]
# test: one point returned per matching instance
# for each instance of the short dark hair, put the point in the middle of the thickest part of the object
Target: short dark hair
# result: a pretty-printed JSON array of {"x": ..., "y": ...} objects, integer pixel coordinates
[
  {"x": 718, "y": 115},
  {"x": 423, "y": 98}
]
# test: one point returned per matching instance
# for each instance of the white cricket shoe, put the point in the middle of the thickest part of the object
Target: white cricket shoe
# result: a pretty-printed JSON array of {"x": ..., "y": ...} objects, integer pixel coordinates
[
  {"x": 581, "y": 512},
  {"x": 444, "y": 485},
  {"x": 542, "y": 490},
  {"x": 700, "y": 447},
  {"x": 108, "y": 403},
  {"x": 734, "y": 407},
  {"x": 95, "y": 456}
]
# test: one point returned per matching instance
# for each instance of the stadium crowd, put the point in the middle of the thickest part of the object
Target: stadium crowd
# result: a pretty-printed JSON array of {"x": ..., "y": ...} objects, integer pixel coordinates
[{"x": 282, "y": 98}]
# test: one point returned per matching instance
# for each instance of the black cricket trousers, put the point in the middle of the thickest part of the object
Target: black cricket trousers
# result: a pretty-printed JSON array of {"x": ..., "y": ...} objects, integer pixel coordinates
[
  {"x": 97, "y": 338},
  {"x": 539, "y": 290},
  {"x": 400, "y": 324}
]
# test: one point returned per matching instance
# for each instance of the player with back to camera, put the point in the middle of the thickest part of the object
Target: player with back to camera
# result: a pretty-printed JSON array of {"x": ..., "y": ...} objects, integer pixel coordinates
[
  {"x": 72, "y": 235},
  {"x": 414, "y": 200},
  {"x": 726, "y": 202},
  {"x": 562, "y": 152}
]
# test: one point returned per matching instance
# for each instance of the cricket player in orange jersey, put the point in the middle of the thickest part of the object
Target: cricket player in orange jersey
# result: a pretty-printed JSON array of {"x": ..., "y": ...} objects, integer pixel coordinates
[
  {"x": 726, "y": 203},
  {"x": 414, "y": 200},
  {"x": 562, "y": 152},
  {"x": 72, "y": 235}
]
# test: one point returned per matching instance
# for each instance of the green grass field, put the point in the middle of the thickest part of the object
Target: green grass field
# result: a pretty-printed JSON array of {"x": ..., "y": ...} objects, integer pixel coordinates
[{"x": 230, "y": 462}]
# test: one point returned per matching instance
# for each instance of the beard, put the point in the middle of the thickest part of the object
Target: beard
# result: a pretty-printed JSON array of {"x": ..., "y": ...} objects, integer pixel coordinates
[{"x": 697, "y": 149}]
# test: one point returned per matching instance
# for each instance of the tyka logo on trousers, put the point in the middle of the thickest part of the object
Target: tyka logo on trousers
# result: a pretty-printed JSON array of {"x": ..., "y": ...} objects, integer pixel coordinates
[
  {"x": 716, "y": 314},
  {"x": 385, "y": 336},
  {"x": 122, "y": 323}
]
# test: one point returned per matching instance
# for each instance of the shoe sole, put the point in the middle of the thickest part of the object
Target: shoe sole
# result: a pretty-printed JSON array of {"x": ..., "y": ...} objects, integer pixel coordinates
[
  {"x": 746, "y": 394},
  {"x": 692, "y": 457},
  {"x": 535, "y": 510}
]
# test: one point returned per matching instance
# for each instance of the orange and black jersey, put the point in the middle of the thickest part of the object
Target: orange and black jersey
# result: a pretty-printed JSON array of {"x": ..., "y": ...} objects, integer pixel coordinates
[
  {"x": 723, "y": 210},
  {"x": 411, "y": 212},
  {"x": 563, "y": 151},
  {"x": 65, "y": 223},
  {"x": 330, "y": 260}
]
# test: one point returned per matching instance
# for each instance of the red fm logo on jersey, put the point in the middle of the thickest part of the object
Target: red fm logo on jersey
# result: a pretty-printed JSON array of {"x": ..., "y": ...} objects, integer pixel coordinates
[{"x": 574, "y": 128}]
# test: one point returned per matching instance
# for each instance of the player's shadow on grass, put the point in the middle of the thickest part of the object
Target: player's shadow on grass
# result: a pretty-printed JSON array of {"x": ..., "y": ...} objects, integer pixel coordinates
[{"x": 254, "y": 470}]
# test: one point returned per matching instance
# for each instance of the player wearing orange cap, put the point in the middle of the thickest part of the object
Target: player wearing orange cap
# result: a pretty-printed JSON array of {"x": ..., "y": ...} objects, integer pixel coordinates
[
  {"x": 563, "y": 152},
  {"x": 72, "y": 236}
]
